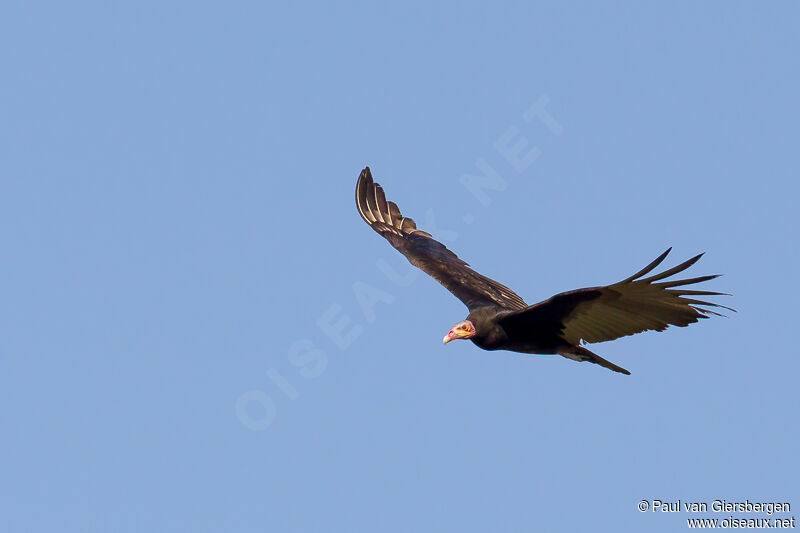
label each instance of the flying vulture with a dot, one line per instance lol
(500, 320)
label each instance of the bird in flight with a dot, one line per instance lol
(500, 320)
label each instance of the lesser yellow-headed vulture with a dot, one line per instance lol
(500, 320)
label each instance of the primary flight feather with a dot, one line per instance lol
(500, 320)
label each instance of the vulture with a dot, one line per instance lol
(499, 319)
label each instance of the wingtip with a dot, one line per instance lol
(362, 184)
(657, 261)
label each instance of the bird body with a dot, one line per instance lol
(491, 334)
(499, 319)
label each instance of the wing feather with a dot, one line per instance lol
(380, 205)
(674, 270)
(657, 261)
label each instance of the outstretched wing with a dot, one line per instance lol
(631, 306)
(428, 254)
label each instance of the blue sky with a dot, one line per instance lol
(185, 343)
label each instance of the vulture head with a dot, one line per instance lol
(463, 330)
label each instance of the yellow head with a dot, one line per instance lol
(463, 330)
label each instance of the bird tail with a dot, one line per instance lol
(579, 353)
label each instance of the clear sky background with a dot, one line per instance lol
(182, 344)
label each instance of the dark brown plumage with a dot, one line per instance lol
(500, 320)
